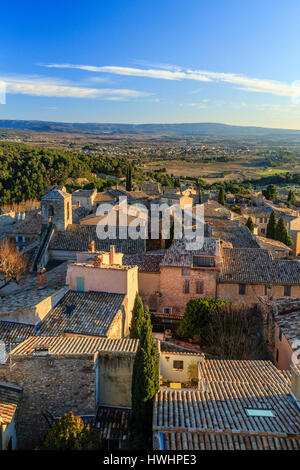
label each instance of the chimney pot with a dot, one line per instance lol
(112, 254)
(41, 277)
(91, 246)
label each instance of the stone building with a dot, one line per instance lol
(57, 208)
(84, 198)
(67, 373)
(10, 396)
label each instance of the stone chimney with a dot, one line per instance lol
(295, 382)
(91, 246)
(112, 254)
(42, 277)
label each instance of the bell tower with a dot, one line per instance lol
(57, 208)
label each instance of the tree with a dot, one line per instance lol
(12, 263)
(70, 433)
(198, 316)
(145, 384)
(271, 192)
(281, 233)
(291, 198)
(221, 196)
(129, 178)
(271, 227)
(250, 224)
(138, 318)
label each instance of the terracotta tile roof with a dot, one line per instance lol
(287, 317)
(77, 238)
(239, 237)
(9, 399)
(178, 255)
(113, 423)
(26, 298)
(228, 441)
(86, 313)
(69, 345)
(228, 388)
(145, 262)
(257, 266)
(269, 244)
(13, 333)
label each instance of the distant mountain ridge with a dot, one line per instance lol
(184, 129)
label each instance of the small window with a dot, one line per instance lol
(186, 286)
(287, 291)
(263, 231)
(242, 289)
(260, 413)
(280, 335)
(167, 310)
(277, 355)
(178, 365)
(199, 287)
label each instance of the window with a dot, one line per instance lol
(242, 289)
(199, 287)
(185, 272)
(178, 365)
(287, 291)
(201, 261)
(260, 413)
(263, 230)
(167, 310)
(50, 211)
(186, 286)
(280, 335)
(80, 284)
(277, 355)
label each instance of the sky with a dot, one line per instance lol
(149, 61)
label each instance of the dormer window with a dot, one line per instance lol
(203, 261)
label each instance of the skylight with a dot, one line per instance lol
(260, 413)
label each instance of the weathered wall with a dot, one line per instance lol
(285, 351)
(149, 283)
(171, 287)
(114, 374)
(51, 384)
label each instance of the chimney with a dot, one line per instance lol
(112, 254)
(78, 203)
(91, 246)
(98, 261)
(295, 382)
(41, 277)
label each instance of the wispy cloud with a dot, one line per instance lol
(241, 82)
(42, 86)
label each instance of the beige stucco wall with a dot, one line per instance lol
(148, 286)
(97, 278)
(230, 292)
(6, 432)
(167, 370)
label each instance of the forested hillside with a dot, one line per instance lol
(25, 171)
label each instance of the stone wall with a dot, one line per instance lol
(114, 374)
(171, 287)
(230, 292)
(51, 384)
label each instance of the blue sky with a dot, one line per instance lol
(235, 62)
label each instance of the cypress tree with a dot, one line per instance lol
(129, 178)
(250, 224)
(271, 227)
(145, 384)
(291, 198)
(200, 196)
(281, 233)
(138, 318)
(221, 196)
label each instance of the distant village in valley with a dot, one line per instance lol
(143, 343)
